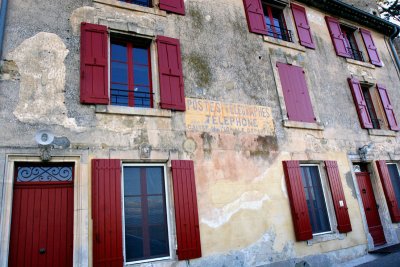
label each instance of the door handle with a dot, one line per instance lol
(42, 250)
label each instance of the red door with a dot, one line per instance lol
(42, 216)
(371, 208)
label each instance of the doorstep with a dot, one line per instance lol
(387, 248)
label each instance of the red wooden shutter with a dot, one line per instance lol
(371, 48)
(174, 6)
(360, 104)
(186, 216)
(302, 26)
(387, 105)
(297, 199)
(295, 92)
(94, 64)
(388, 190)
(255, 16)
(170, 72)
(337, 37)
(107, 213)
(341, 211)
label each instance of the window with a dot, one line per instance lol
(276, 26)
(130, 82)
(389, 176)
(138, 2)
(351, 43)
(373, 106)
(295, 92)
(131, 73)
(267, 18)
(395, 178)
(345, 43)
(130, 212)
(370, 106)
(146, 227)
(173, 6)
(308, 202)
(315, 199)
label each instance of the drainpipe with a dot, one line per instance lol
(396, 31)
(3, 13)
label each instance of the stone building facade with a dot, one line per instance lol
(151, 135)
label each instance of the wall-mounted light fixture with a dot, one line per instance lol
(364, 150)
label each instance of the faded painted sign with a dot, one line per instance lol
(214, 116)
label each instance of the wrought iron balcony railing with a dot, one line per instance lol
(355, 54)
(279, 33)
(121, 97)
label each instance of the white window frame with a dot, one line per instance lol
(323, 185)
(167, 208)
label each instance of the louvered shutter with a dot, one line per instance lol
(387, 105)
(359, 102)
(172, 94)
(388, 190)
(255, 16)
(339, 201)
(302, 26)
(371, 48)
(174, 6)
(337, 37)
(107, 213)
(94, 64)
(186, 214)
(295, 92)
(297, 199)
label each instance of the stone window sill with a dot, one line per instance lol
(378, 132)
(325, 237)
(282, 43)
(147, 112)
(303, 125)
(133, 7)
(360, 63)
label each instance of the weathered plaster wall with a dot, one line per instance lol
(244, 210)
(367, 5)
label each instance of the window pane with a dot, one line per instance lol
(155, 180)
(140, 56)
(118, 52)
(133, 211)
(315, 199)
(156, 209)
(138, 2)
(395, 178)
(158, 241)
(142, 96)
(119, 94)
(119, 72)
(131, 181)
(133, 243)
(141, 75)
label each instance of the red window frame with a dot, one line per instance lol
(268, 10)
(130, 45)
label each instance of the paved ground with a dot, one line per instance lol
(390, 260)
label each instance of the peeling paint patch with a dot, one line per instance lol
(252, 200)
(40, 61)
